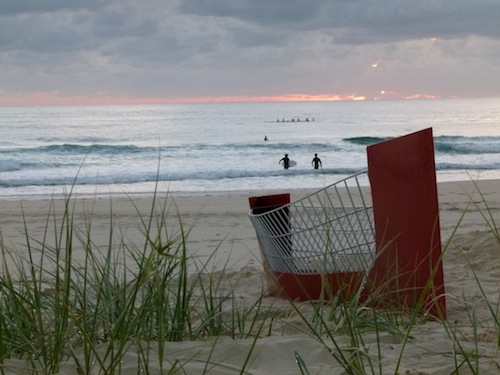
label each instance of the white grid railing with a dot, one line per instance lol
(329, 231)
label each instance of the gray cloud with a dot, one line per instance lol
(253, 47)
(393, 19)
(47, 6)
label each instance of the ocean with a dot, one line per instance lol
(220, 147)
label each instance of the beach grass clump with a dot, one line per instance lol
(54, 306)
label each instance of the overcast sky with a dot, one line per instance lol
(123, 51)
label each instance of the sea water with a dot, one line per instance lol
(217, 148)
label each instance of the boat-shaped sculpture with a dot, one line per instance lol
(374, 236)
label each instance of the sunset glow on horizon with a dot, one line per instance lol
(53, 99)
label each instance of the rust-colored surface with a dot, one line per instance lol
(408, 269)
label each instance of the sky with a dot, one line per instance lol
(60, 52)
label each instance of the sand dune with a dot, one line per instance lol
(220, 223)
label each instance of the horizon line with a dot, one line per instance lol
(55, 99)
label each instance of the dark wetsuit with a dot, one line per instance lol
(317, 162)
(286, 162)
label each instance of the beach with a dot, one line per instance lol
(219, 224)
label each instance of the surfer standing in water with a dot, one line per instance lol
(286, 161)
(316, 162)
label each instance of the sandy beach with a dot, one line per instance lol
(220, 224)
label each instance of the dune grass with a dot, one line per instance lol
(121, 296)
(127, 297)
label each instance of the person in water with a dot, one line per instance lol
(316, 162)
(286, 161)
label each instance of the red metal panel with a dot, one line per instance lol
(266, 203)
(408, 268)
(296, 287)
